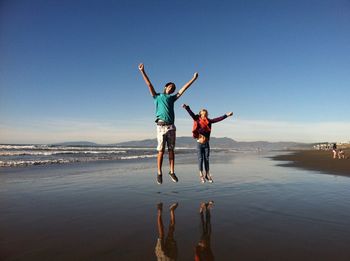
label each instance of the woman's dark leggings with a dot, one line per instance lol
(203, 151)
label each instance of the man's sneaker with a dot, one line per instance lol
(159, 179)
(173, 177)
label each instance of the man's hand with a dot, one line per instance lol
(229, 114)
(147, 81)
(195, 75)
(184, 106)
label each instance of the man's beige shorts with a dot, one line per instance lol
(166, 135)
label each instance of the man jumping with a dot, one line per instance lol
(165, 118)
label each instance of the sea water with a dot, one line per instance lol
(42, 154)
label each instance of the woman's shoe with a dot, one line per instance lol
(209, 178)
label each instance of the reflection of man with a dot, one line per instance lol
(166, 248)
(203, 249)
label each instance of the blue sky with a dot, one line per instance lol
(68, 69)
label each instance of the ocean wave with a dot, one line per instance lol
(138, 157)
(21, 147)
(50, 153)
(75, 148)
(31, 162)
(18, 163)
(33, 154)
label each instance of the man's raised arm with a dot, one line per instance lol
(187, 85)
(148, 82)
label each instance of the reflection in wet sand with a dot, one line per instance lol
(203, 250)
(166, 248)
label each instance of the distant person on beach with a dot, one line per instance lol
(341, 154)
(334, 151)
(166, 247)
(203, 250)
(165, 118)
(201, 131)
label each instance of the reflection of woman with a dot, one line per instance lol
(203, 249)
(166, 249)
(201, 131)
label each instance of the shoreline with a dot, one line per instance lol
(317, 160)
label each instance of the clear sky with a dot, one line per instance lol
(69, 69)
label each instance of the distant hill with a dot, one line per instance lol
(76, 143)
(189, 142)
(226, 143)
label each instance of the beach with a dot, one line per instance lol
(317, 160)
(108, 210)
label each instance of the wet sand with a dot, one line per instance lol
(317, 160)
(110, 211)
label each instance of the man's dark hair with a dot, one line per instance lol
(170, 83)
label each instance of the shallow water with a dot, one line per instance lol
(108, 211)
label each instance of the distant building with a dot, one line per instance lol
(329, 145)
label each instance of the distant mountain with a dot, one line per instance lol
(189, 142)
(225, 143)
(76, 143)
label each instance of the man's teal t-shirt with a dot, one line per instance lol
(165, 107)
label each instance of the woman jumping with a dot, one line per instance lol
(201, 132)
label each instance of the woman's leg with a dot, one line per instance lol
(206, 151)
(200, 153)
(200, 157)
(206, 162)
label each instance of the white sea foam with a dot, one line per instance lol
(49, 153)
(19, 147)
(32, 154)
(138, 157)
(17, 163)
(78, 148)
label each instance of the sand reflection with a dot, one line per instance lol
(203, 250)
(166, 248)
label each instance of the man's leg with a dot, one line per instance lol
(160, 148)
(172, 166)
(160, 161)
(172, 161)
(171, 137)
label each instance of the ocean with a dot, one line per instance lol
(33, 154)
